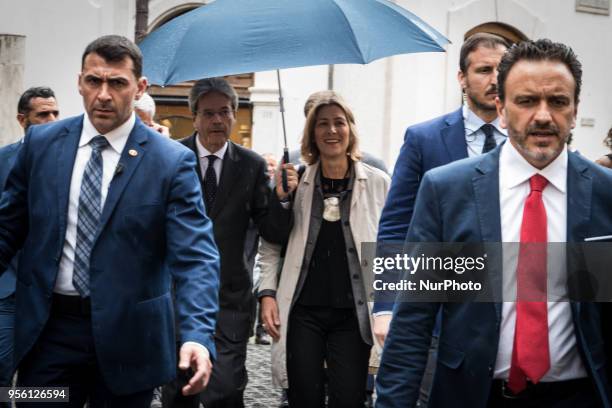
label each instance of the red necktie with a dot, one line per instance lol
(531, 354)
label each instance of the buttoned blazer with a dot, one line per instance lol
(459, 202)
(152, 230)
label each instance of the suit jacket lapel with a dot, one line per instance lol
(579, 192)
(303, 200)
(359, 184)
(453, 136)
(229, 177)
(135, 143)
(191, 143)
(486, 195)
(67, 146)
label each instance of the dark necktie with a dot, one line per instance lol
(530, 352)
(90, 208)
(489, 131)
(210, 183)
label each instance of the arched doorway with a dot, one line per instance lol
(172, 101)
(506, 31)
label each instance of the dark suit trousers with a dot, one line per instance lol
(7, 326)
(227, 382)
(229, 375)
(172, 396)
(319, 335)
(64, 356)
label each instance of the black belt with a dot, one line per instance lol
(541, 389)
(74, 305)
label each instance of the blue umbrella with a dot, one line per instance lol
(238, 36)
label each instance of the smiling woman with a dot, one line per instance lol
(322, 315)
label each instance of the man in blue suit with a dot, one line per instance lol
(106, 213)
(7, 286)
(529, 187)
(439, 141)
(37, 105)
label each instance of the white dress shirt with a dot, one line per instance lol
(117, 139)
(514, 175)
(217, 165)
(474, 136)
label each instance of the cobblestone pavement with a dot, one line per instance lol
(259, 392)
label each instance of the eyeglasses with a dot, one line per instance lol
(210, 114)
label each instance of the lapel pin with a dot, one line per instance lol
(133, 153)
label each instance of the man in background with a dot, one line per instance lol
(145, 109)
(236, 192)
(36, 106)
(469, 131)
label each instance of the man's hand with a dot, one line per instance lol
(292, 180)
(161, 129)
(197, 357)
(381, 327)
(269, 315)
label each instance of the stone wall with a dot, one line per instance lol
(12, 57)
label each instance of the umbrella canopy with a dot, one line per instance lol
(239, 36)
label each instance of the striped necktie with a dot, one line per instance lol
(90, 208)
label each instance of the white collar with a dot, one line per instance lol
(472, 122)
(517, 170)
(203, 152)
(117, 138)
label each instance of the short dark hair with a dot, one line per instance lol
(24, 106)
(486, 40)
(115, 48)
(608, 139)
(540, 50)
(206, 85)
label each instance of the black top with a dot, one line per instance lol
(328, 280)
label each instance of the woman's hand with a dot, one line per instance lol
(292, 180)
(381, 327)
(269, 315)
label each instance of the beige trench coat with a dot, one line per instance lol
(368, 197)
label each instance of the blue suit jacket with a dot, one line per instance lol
(426, 145)
(152, 228)
(8, 154)
(460, 203)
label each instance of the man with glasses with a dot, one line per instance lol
(235, 188)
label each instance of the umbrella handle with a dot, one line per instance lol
(284, 172)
